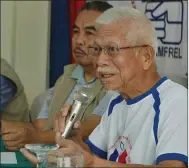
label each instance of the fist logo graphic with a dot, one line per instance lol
(167, 18)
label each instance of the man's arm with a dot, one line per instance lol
(17, 134)
(48, 136)
(98, 162)
(89, 125)
(44, 136)
(93, 121)
(93, 160)
(39, 123)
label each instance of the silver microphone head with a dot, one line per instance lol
(84, 95)
(82, 98)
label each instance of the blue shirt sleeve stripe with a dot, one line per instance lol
(95, 149)
(172, 156)
(157, 110)
(117, 100)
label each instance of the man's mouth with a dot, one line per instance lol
(79, 52)
(106, 75)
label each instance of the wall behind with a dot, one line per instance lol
(7, 11)
(25, 42)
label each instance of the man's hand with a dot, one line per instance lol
(85, 128)
(67, 147)
(59, 121)
(17, 134)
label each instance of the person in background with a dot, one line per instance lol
(13, 101)
(146, 125)
(75, 76)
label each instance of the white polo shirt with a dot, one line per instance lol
(145, 130)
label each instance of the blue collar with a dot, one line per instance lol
(78, 74)
(137, 99)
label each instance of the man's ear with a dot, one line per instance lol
(148, 55)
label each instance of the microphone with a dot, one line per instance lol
(82, 98)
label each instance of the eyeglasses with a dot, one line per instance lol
(95, 50)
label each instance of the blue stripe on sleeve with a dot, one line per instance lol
(157, 110)
(117, 100)
(172, 156)
(95, 149)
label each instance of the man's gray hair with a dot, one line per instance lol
(138, 27)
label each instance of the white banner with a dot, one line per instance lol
(170, 22)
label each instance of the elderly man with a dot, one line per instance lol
(147, 124)
(16, 135)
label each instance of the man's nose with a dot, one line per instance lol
(103, 59)
(80, 40)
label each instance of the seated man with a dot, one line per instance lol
(146, 125)
(13, 104)
(75, 76)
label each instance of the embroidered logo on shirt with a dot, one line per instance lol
(119, 151)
